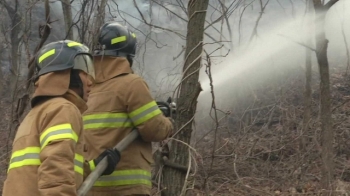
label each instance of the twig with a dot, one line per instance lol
(235, 170)
(183, 192)
(306, 46)
(254, 33)
(183, 126)
(254, 189)
(152, 25)
(215, 118)
(177, 166)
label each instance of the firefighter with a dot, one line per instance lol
(119, 101)
(47, 149)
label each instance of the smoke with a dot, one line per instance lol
(160, 53)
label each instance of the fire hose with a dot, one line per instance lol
(94, 175)
(102, 165)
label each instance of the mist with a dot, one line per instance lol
(275, 55)
(269, 55)
(268, 135)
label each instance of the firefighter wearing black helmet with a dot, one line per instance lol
(47, 152)
(116, 40)
(119, 101)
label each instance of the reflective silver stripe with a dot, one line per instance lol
(25, 156)
(78, 163)
(58, 132)
(144, 113)
(125, 177)
(128, 177)
(107, 120)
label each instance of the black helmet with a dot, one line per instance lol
(62, 55)
(116, 40)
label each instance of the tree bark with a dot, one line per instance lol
(68, 21)
(84, 24)
(308, 77)
(98, 22)
(1, 81)
(346, 44)
(327, 135)
(174, 180)
(14, 11)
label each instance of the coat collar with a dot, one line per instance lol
(51, 85)
(76, 100)
(107, 67)
(56, 84)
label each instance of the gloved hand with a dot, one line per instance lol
(173, 109)
(113, 157)
(164, 107)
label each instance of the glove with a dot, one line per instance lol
(164, 107)
(173, 109)
(113, 157)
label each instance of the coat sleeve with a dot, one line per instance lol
(143, 111)
(58, 137)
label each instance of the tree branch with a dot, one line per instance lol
(330, 4)
(177, 166)
(306, 46)
(152, 25)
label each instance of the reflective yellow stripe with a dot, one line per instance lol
(30, 156)
(92, 165)
(144, 113)
(27, 156)
(62, 131)
(133, 35)
(71, 44)
(79, 164)
(125, 177)
(46, 54)
(106, 120)
(118, 39)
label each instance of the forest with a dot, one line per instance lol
(262, 87)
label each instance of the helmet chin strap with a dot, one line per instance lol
(130, 59)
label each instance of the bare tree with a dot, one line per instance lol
(262, 9)
(68, 22)
(23, 101)
(1, 80)
(327, 135)
(308, 77)
(345, 42)
(15, 36)
(99, 20)
(84, 24)
(174, 179)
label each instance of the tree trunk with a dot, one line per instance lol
(1, 81)
(85, 21)
(13, 12)
(14, 53)
(308, 77)
(16, 26)
(346, 44)
(98, 22)
(68, 21)
(327, 135)
(174, 179)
